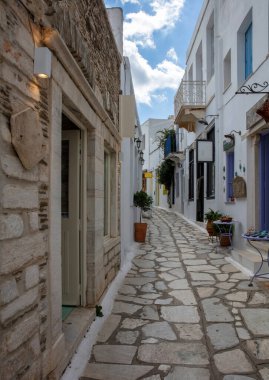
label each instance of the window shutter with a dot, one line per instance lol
(230, 174)
(248, 51)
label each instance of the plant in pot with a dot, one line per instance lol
(143, 201)
(226, 234)
(210, 217)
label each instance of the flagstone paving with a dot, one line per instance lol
(183, 313)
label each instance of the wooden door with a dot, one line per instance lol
(71, 217)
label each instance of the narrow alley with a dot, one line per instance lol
(183, 313)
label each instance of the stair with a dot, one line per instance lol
(250, 260)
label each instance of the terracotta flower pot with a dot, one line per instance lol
(224, 241)
(210, 228)
(140, 232)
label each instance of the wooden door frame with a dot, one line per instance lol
(83, 203)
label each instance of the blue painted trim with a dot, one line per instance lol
(248, 51)
(264, 181)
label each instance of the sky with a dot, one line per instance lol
(156, 37)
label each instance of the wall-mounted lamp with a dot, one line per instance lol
(229, 136)
(141, 154)
(42, 62)
(239, 132)
(142, 160)
(204, 121)
(138, 142)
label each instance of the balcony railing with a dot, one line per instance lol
(190, 94)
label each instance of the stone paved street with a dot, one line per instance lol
(183, 313)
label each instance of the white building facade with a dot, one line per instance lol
(229, 49)
(130, 129)
(153, 156)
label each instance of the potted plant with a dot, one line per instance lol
(144, 202)
(210, 217)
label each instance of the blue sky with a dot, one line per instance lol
(156, 37)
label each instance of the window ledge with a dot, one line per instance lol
(229, 203)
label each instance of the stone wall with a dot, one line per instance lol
(25, 328)
(85, 28)
(23, 207)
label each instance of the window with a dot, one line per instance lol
(229, 176)
(227, 70)
(111, 227)
(210, 47)
(210, 169)
(107, 192)
(191, 174)
(245, 49)
(199, 63)
(248, 51)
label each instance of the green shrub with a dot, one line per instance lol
(143, 201)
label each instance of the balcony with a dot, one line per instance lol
(189, 103)
(171, 148)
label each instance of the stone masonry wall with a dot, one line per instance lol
(85, 28)
(24, 194)
(23, 206)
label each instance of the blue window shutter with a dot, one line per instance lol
(230, 174)
(248, 51)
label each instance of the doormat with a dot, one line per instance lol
(66, 310)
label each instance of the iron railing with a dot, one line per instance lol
(190, 93)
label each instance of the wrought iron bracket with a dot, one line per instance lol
(255, 88)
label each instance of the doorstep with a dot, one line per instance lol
(75, 327)
(249, 260)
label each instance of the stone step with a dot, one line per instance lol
(250, 260)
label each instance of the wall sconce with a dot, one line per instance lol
(239, 132)
(204, 121)
(142, 160)
(42, 62)
(138, 142)
(141, 154)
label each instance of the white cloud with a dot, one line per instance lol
(140, 26)
(150, 81)
(130, 1)
(172, 54)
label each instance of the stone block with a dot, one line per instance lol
(31, 276)
(35, 344)
(22, 331)
(5, 131)
(18, 306)
(15, 363)
(33, 221)
(11, 226)
(16, 253)
(21, 197)
(8, 291)
(13, 168)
